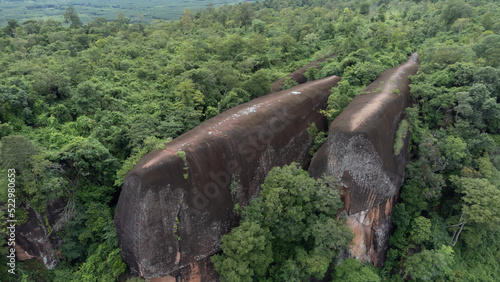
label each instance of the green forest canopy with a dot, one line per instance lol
(137, 11)
(84, 101)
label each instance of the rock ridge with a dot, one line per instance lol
(176, 203)
(359, 154)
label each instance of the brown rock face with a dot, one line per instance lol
(172, 212)
(359, 153)
(33, 239)
(298, 75)
(372, 229)
(199, 271)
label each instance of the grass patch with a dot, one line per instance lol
(400, 136)
(182, 155)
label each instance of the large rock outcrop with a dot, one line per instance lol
(359, 153)
(36, 239)
(177, 203)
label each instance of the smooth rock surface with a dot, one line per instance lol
(359, 153)
(173, 212)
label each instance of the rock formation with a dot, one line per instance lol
(33, 239)
(359, 153)
(298, 75)
(177, 203)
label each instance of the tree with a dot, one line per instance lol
(448, 55)
(51, 85)
(460, 24)
(104, 264)
(11, 27)
(484, 106)
(5, 129)
(288, 83)
(149, 144)
(463, 73)
(12, 99)
(364, 8)
(88, 161)
(362, 73)
(352, 270)
(208, 80)
(37, 178)
(71, 17)
(61, 113)
(339, 98)
(304, 235)
(86, 99)
(430, 265)
(232, 48)
(16, 153)
(189, 95)
(311, 40)
(480, 200)
(489, 49)
(187, 21)
(258, 84)
(454, 149)
(312, 73)
(488, 170)
(258, 26)
(420, 230)
(235, 97)
(257, 44)
(287, 43)
(455, 9)
(122, 21)
(464, 106)
(247, 253)
(245, 14)
(488, 20)
(489, 77)
(90, 238)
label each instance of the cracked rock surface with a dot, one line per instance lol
(359, 153)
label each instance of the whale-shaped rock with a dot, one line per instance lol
(359, 153)
(177, 203)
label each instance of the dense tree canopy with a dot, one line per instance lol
(289, 233)
(80, 104)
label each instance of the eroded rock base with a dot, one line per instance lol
(199, 271)
(360, 154)
(372, 229)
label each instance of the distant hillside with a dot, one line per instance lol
(137, 11)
